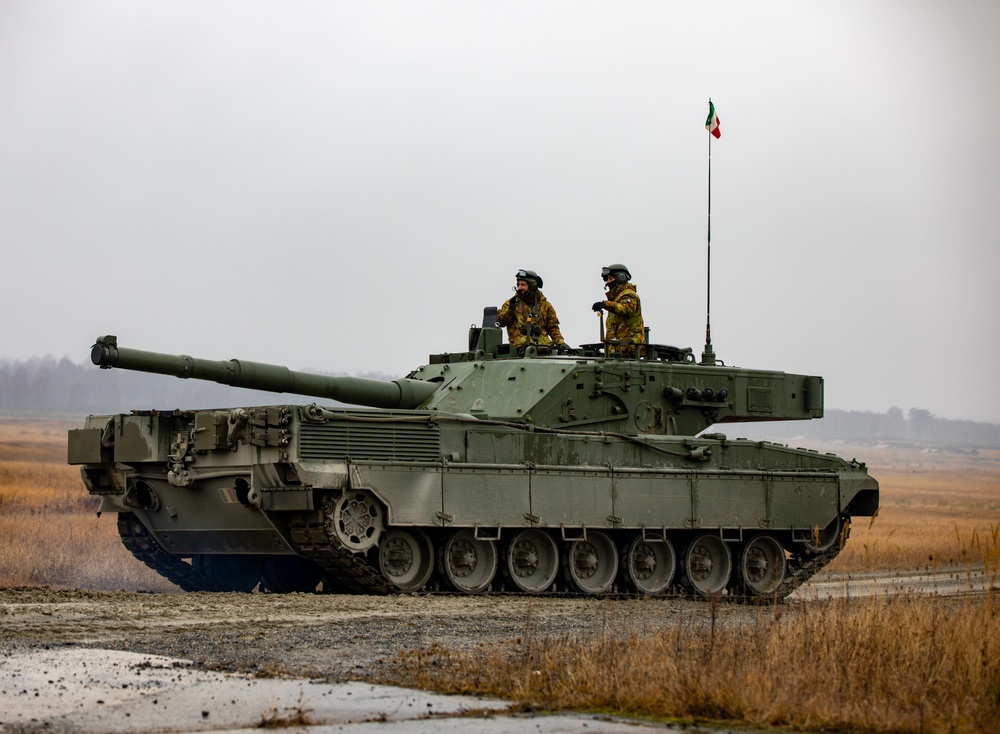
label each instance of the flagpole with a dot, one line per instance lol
(708, 356)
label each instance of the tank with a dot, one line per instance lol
(484, 470)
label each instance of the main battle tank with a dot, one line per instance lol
(482, 470)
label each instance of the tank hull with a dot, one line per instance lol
(373, 501)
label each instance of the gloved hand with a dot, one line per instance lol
(598, 305)
(563, 348)
(536, 330)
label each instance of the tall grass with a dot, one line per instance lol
(881, 665)
(922, 512)
(49, 530)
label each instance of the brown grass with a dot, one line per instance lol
(50, 534)
(880, 665)
(930, 500)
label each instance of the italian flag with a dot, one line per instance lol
(712, 123)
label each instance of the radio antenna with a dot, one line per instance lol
(712, 125)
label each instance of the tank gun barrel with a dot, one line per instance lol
(401, 394)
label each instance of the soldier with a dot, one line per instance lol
(529, 317)
(624, 321)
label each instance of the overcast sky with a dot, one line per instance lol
(343, 186)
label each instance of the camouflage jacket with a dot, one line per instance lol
(519, 317)
(624, 319)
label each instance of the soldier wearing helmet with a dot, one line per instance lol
(529, 317)
(624, 320)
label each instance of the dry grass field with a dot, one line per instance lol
(937, 508)
(879, 664)
(898, 664)
(49, 530)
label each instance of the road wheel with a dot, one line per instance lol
(761, 567)
(532, 560)
(706, 565)
(591, 563)
(649, 565)
(468, 563)
(406, 558)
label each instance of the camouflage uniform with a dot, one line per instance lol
(522, 316)
(624, 319)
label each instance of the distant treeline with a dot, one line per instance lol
(50, 387)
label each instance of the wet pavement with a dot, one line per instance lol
(92, 690)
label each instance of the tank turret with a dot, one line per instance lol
(662, 392)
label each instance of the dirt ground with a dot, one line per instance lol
(328, 637)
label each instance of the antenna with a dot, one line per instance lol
(712, 125)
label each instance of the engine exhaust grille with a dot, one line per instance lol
(357, 440)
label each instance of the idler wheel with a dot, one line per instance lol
(355, 520)
(468, 563)
(649, 565)
(822, 540)
(707, 565)
(406, 558)
(591, 563)
(532, 560)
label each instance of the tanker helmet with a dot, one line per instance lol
(533, 279)
(621, 273)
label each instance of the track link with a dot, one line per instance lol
(800, 569)
(145, 547)
(348, 569)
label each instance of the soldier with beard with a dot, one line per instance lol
(624, 320)
(529, 317)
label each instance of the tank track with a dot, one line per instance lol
(348, 570)
(352, 574)
(144, 546)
